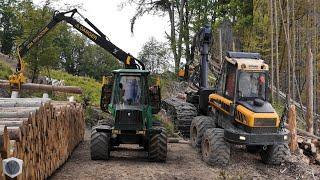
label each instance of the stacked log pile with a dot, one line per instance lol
(41, 132)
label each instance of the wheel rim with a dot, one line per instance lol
(194, 134)
(205, 148)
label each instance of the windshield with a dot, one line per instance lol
(252, 85)
(130, 90)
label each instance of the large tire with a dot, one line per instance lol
(100, 145)
(275, 154)
(158, 146)
(198, 127)
(215, 150)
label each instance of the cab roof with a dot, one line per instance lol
(247, 61)
(135, 71)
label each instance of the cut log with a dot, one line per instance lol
(4, 141)
(17, 114)
(46, 88)
(292, 120)
(22, 104)
(13, 123)
(14, 133)
(14, 119)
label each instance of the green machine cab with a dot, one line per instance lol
(131, 102)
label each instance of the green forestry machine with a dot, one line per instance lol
(126, 96)
(236, 110)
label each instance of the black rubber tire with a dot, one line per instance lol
(198, 127)
(100, 145)
(158, 146)
(253, 148)
(275, 154)
(215, 150)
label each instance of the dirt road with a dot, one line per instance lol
(183, 163)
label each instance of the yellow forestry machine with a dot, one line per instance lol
(236, 110)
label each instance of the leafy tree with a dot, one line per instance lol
(46, 53)
(155, 55)
(9, 25)
(96, 62)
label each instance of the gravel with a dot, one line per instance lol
(183, 162)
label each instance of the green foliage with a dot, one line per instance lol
(9, 25)
(88, 114)
(47, 52)
(61, 48)
(91, 87)
(279, 107)
(97, 62)
(5, 70)
(155, 55)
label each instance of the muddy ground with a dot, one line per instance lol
(183, 163)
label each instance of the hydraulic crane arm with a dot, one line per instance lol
(98, 37)
(201, 41)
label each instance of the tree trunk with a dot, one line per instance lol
(293, 50)
(173, 43)
(271, 35)
(292, 121)
(181, 27)
(289, 53)
(277, 51)
(309, 78)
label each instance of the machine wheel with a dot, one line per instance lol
(275, 154)
(198, 127)
(253, 148)
(100, 145)
(215, 150)
(158, 146)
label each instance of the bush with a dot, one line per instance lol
(5, 70)
(166, 123)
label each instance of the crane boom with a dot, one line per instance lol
(201, 41)
(98, 37)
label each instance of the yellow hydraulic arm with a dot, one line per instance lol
(96, 36)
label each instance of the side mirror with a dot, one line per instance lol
(155, 99)
(106, 93)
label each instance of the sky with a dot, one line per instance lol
(115, 23)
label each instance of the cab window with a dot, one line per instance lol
(230, 81)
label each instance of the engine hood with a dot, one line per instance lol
(266, 107)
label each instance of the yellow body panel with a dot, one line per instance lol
(217, 98)
(220, 98)
(249, 115)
